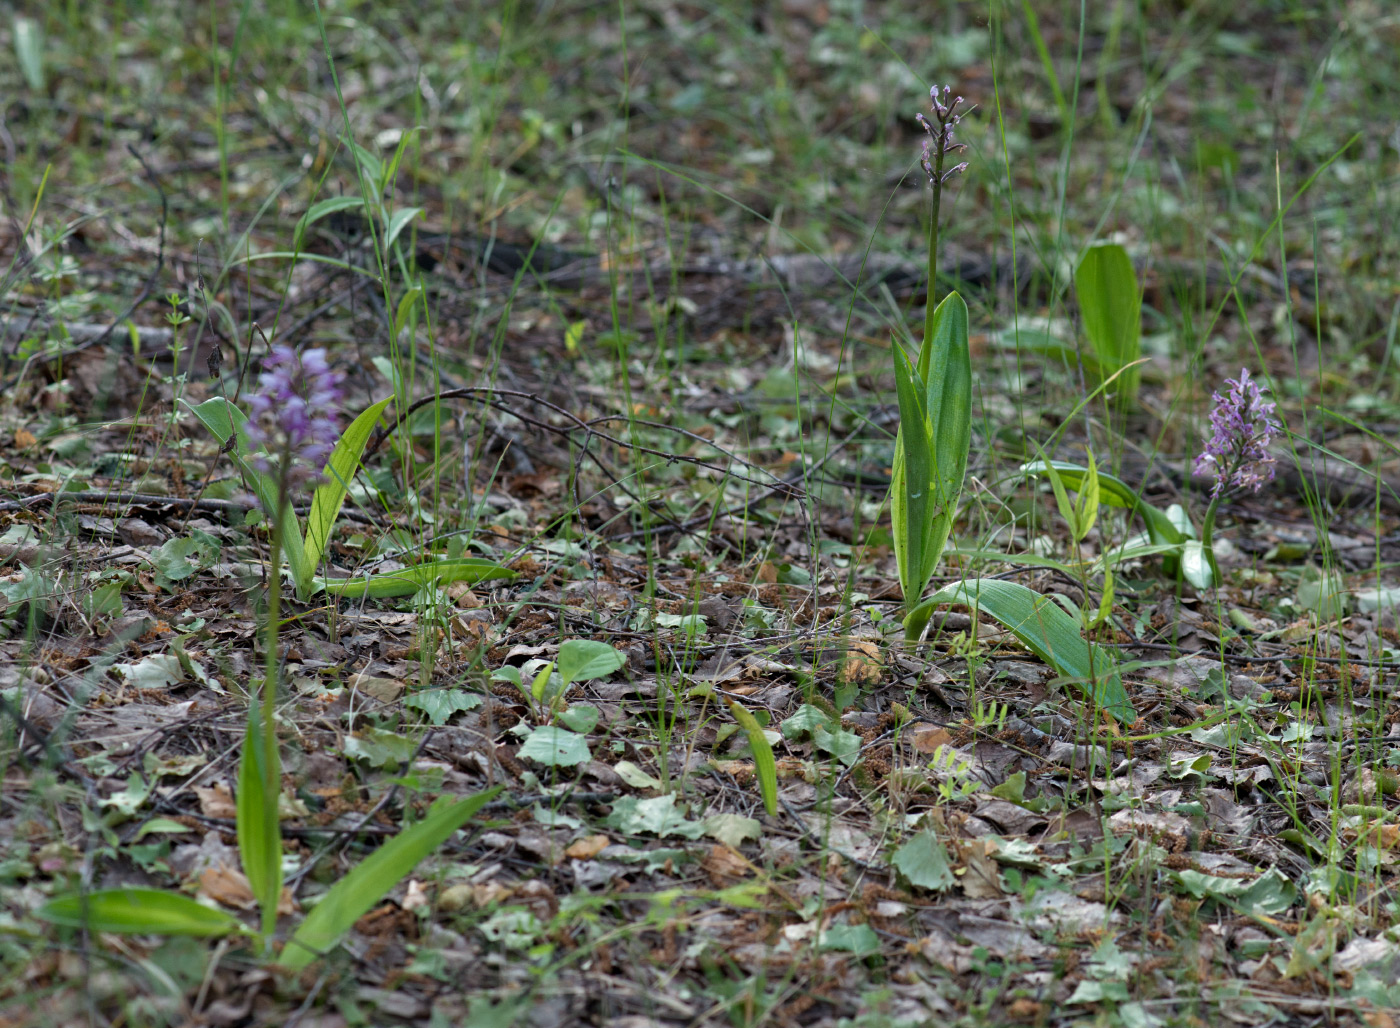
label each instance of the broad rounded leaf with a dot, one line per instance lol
(555, 747)
(582, 659)
(924, 862)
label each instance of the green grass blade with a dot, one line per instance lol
(1044, 627)
(138, 912)
(353, 896)
(259, 832)
(407, 581)
(1110, 304)
(765, 768)
(340, 469)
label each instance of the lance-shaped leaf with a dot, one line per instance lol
(139, 912)
(340, 469)
(1110, 304)
(764, 766)
(930, 457)
(1194, 563)
(1048, 631)
(259, 831)
(407, 581)
(352, 897)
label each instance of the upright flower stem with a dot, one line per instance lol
(933, 247)
(935, 151)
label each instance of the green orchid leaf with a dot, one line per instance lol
(259, 831)
(355, 894)
(224, 422)
(407, 581)
(340, 469)
(582, 659)
(1110, 304)
(139, 912)
(322, 209)
(930, 458)
(764, 766)
(1045, 628)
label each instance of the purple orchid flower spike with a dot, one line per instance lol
(1243, 423)
(292, 415)
(940, 135)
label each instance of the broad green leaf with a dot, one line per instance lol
(553, 746)
(259, 833)
(354, 895)
(930, 458)
(859, 939)
(924, 862)
(581, 717)
(808, 718)
(1270, 893)
(1197, 565)
(658, 815)
(398, 221)
(1110, 304)
(380, 747)
(29, 51)
(340, 469)
(407, 581)
(733, 829)
(1044, 627)
(319, 210)
(441, 704)
(582, 659)
(764, 766)
(844, 746)
(139, 912)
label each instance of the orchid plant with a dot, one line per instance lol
(930, 463)
(292, 422)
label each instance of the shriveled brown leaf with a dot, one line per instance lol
(587, 848)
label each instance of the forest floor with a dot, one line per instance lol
(632, 274)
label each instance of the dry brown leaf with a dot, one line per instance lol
(231, 888)
(862, 671)
(724, 864)
(216, 801)
(228, 887)
(385, 690)
(587, 849)
(980, 876)
(926, 738)
(767, 574)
